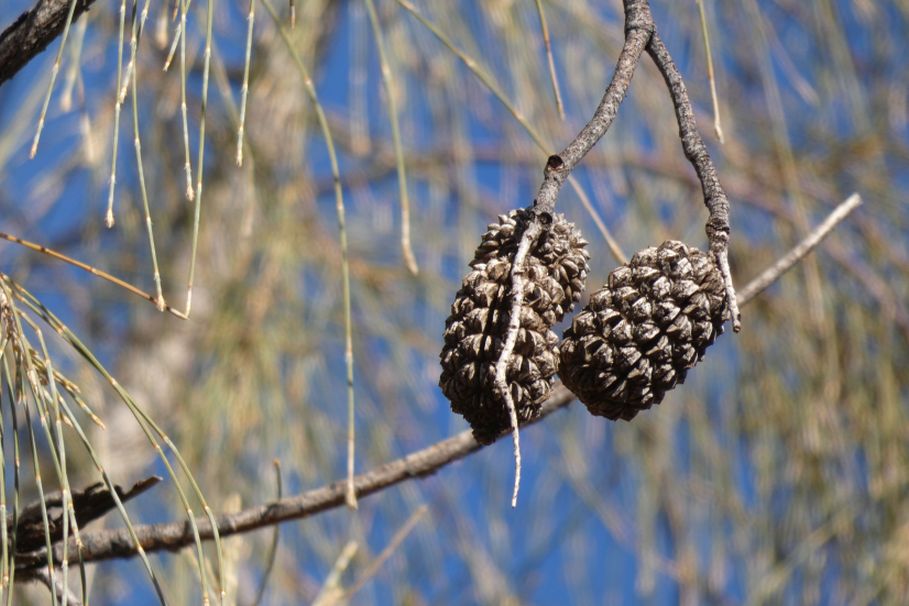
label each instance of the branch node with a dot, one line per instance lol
(554, 163)
(638, 16)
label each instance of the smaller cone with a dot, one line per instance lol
(641, 333)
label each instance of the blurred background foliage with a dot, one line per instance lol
(778, 473)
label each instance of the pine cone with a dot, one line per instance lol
(555, 271)
(642, 331)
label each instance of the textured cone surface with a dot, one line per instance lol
(475, 332)
(642, 331)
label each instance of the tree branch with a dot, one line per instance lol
(32, 32)
(109, 544)
(87, 504)
(173, 536)
(785, 263)
(696, 152)
(639, 27)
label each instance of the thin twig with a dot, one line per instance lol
(638, 30)
(388, 80)
(398, 538)
(187, 161)
(518, 286)
(53, 78)
(133, 44)
(275, 537)
(200, 162)
(178, 34)
(5, 312)
(244, 90)
(138, 26)
(90, 269)
(73, 71)
(553, 75)
(785, 263)
(714, 197)
(331, 592)
(358, 115)
(711, 77)
(341, 213)
(36, 468)
(118, 104)
(6, 306)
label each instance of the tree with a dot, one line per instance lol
(774, 472)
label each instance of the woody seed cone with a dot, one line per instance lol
(475, 332)
(641, 333)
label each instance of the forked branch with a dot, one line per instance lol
(638, 29)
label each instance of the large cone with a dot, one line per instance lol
(645, 328)
(556, 267)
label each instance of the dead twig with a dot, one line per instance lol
(173, 536)
(787, 261)
(92, 270)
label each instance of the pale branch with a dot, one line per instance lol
(32, 32)
(518, 285)
(397, 539)
(172, 536)
(787, 261)
(696, 152)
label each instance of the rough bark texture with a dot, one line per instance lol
(696, 152)
(638, 30)
(87, 504)
(32, 32)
